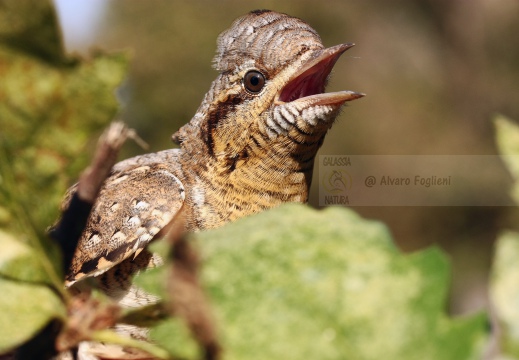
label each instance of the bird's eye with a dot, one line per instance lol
(254, 81)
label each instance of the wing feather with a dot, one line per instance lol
(131, 209)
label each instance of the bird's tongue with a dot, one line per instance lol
(312, 77)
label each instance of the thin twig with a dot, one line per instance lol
(187, 296)
(108, 147)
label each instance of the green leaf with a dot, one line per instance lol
(295, 283)
(507, 135)
(504, 290)
(50, 107)
(19, 261)
(507, 138)
(504, 284)
(112, 337)
(24, 310)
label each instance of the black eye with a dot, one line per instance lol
(254, 81)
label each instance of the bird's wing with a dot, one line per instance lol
(131, 209)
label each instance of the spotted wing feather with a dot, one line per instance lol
(132, 207)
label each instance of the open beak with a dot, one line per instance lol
(309, 82)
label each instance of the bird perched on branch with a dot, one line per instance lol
(250, 147)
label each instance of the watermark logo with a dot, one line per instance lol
(336, 180)
(410, 180)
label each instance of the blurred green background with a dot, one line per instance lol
(435, 72)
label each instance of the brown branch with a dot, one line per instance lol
(188, 300)
(108, 147)
(85, 315)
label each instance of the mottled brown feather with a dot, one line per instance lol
(132, 207)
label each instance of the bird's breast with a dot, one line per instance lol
(219, 197)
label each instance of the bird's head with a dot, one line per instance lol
(269, 94)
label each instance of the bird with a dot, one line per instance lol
(250, 146)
